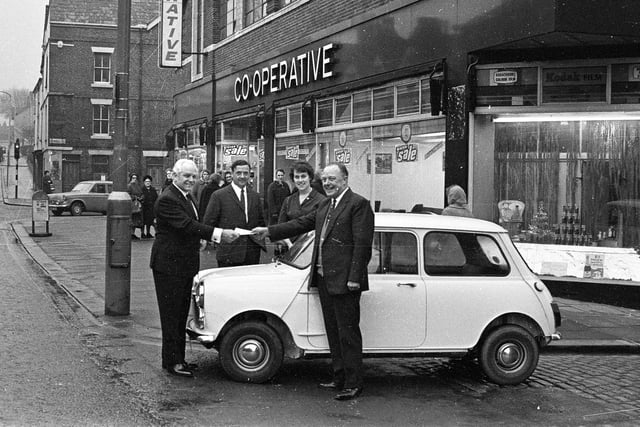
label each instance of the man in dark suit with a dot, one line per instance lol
(231, 207)
(277, 191)
(343, 225)
(175, 259)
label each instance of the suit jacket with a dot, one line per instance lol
(347, 246)
(176, 248)
(225, 211)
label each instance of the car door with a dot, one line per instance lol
(393, 311)
(92, 198)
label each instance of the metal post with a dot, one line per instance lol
(118, 244)
(17, 161)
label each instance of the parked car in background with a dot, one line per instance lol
(439, 286)
(86, 196)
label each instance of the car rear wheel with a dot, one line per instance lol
(77, 208)
(57, 212)
(509, 355)
(251, 352)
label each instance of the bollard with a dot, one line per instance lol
(118, 255)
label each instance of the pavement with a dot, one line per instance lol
(74, 257)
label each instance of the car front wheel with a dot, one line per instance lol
(251, 352)
(509, 355)
(76, 209)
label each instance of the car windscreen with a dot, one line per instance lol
(299, 255)
(82, 187)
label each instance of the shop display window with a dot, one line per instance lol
(625, 84)
(571, 85)
(569, 182)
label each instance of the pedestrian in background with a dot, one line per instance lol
(135, 192)
(457, 202)
(316, 183)
(149, 197)
(343, 224)
(175, 259)
(236, 206)
(277, 191)
(168, 178)
(47, 183)
(200, 185)
(216, 182)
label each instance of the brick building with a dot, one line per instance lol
(74, 98)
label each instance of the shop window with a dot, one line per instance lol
(577, 181)
(101, 67)
(100, 167)
(463, 254)
(281, 120)
(343, 110)
(383, 105)
(506, 87)
(625, 84)
(362, 106)
(408, 98)
(325, 113)
(101, 119)
(295, 118)
(570, 85)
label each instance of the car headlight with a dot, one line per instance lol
(198, 302)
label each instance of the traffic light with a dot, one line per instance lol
(16, 149)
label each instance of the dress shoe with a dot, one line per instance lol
(333, 385)
(180, 370)
(348, 393)
(190, 366)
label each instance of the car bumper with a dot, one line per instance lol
(53, 206)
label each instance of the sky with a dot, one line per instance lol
(21, 30)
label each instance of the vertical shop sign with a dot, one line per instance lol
(342, 155)
(406, 153)
(171, 34)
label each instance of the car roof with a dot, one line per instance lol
(440, 222)
(97, 182)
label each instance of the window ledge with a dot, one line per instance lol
(100, 136)
(102, 85)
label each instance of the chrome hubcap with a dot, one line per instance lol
(509, 356)
(251, 354)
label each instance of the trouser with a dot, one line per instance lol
(173, 293)
(341, 315)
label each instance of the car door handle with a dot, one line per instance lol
(411, 285)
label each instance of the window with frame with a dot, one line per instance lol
(254, 11)
(100, 167)
(394, 253)
(289, 119)
(463, 254)
(197, 38)
(101, 67)
(101, 119)
(228, 14)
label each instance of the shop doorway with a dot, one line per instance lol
(70, 171)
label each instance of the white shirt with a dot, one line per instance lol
(217, 232)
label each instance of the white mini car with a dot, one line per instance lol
(439, 286)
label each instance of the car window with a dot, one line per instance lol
(98, 188)
(82, 187)
(299, 255)
(394, 253)
(108, 188)
(463, 254)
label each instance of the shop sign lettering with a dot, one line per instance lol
(171, 34)
(406, 153)
(235, 150)
(298, 70)
(343, 155)
(293, 153)
(575, 76)
(504, 77)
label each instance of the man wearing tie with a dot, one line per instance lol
(231, 207)
(175, 259)
(343, 225)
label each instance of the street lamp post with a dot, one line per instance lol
(11, 131)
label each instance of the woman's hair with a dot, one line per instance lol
(455, 194)
(301, 167)
(147, 177)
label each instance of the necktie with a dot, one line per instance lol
(193, 205)
(244, 204)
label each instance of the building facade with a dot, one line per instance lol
(74, 98)
(531, 106)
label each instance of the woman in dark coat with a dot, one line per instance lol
(135, 192)
(149, 196)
